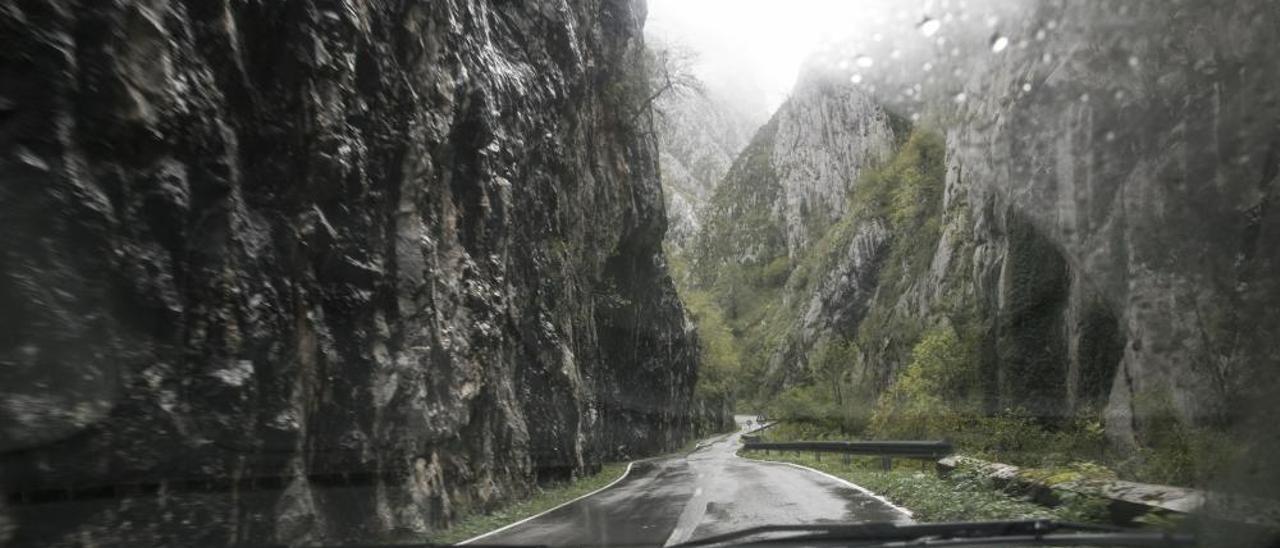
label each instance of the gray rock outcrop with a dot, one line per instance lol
(318, 271)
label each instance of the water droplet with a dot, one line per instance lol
(992, 21)
(1133, 62)
(955, 52)
(895, 54)
(1111, 136)
(929, 27)
(865, 61)
(959, 97)
(1041, 34)
(915, 116)
(927, 67)
(844, 64)
(1084, 98)
(999, 43)
(1026, 87)
(857, 78)
(877, 37)
(1120, 95)
(1052, 24)
(1046, 58)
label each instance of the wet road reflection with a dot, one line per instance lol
(710, 491)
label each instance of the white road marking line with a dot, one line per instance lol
(860, 488)
(548, 511)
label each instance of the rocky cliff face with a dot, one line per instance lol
(794, 177)
(828, 133)
(1104, 230)
(699, 136)
(765, 249)
(315, 271)
(1146, 167)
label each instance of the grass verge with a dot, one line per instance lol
(545, 499)
(962, 496)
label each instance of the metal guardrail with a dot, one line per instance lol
(887, 450)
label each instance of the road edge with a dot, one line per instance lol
(910, 515)
(624, 475)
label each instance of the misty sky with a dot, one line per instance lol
(764, 41)
(756, 47)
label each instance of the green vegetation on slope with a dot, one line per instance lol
(729, 298)
(926, 359)
(839, 385)
(905, 374)
(720, 361)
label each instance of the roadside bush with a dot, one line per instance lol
(720, 363)
(930, 398)
(805, 404)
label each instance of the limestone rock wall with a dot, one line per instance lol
(320, 270)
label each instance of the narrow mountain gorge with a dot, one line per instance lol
(351, 271)
(320, 271)
(699, 135)
(1062, 252)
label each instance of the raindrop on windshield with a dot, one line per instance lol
(927, 67)
(959, 97)
(1026, 87)
(865, 61)
(930, 26)
(857, 78)
(999, 43)
(1133, 62)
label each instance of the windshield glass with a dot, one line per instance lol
(639, 273)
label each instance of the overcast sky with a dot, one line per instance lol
(756, 47)
(766, 40)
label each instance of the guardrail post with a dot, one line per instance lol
(847, 459)
(817, 455)
(886, 463)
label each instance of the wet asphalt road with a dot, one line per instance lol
(670, 500)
